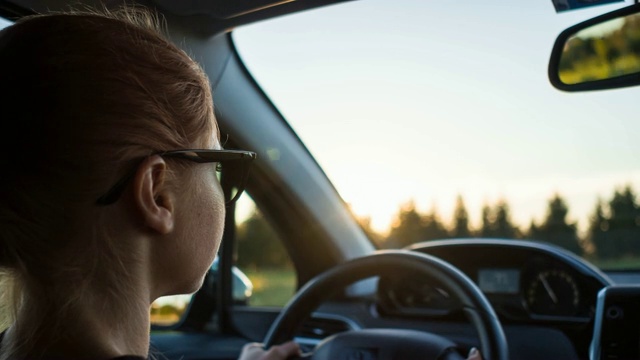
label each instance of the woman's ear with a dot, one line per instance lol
(152, 196)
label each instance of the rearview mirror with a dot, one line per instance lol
(601, 53)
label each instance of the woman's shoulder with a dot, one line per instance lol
(125, 357)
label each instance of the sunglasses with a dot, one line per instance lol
(232, 167)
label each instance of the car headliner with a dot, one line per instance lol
(213, 15)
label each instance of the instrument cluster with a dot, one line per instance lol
(524, 281)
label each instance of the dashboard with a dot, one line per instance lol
(526, 283)
(541, 293)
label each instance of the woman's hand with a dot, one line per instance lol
(255, 351)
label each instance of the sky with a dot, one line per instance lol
(424, 100)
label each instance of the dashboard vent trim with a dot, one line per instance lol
(319, 326)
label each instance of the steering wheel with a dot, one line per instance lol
(390, 344)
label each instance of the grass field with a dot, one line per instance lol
(272, 287)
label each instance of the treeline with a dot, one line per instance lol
(613, 231)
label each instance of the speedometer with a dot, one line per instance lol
(553, 292)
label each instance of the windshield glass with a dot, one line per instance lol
(436, 120)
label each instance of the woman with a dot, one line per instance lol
(97, 218)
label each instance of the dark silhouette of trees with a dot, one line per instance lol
(496, 222)
(411, 227)
(486, 229)
(555, 229)
(624, 223)
(613, 231)
(460, 220)
(258, 245)
(616, 234)
(433, 228)
(407, 228)
(533, 231)
(502, 225)
(598, 233)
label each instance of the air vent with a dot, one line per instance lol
(320, 326)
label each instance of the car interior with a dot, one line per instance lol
(346, 294)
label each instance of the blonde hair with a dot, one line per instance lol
(84, 97)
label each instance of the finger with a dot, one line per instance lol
(283, 351)
(252, 348)
(474, 354)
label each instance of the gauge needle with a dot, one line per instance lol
(544, 282)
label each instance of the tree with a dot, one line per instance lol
(407, 227)
(258, 245)
(496, 222)
(486, 229)
(624, 223)
(432, 228)
(411, 227)
(598, 233)
(534, 231)
(556, 230)
(460, 220)
(502, 226)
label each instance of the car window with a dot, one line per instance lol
(262, 257)
(263, 274)
(169, 310)
(437, 120)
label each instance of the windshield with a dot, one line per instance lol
(436, 120)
